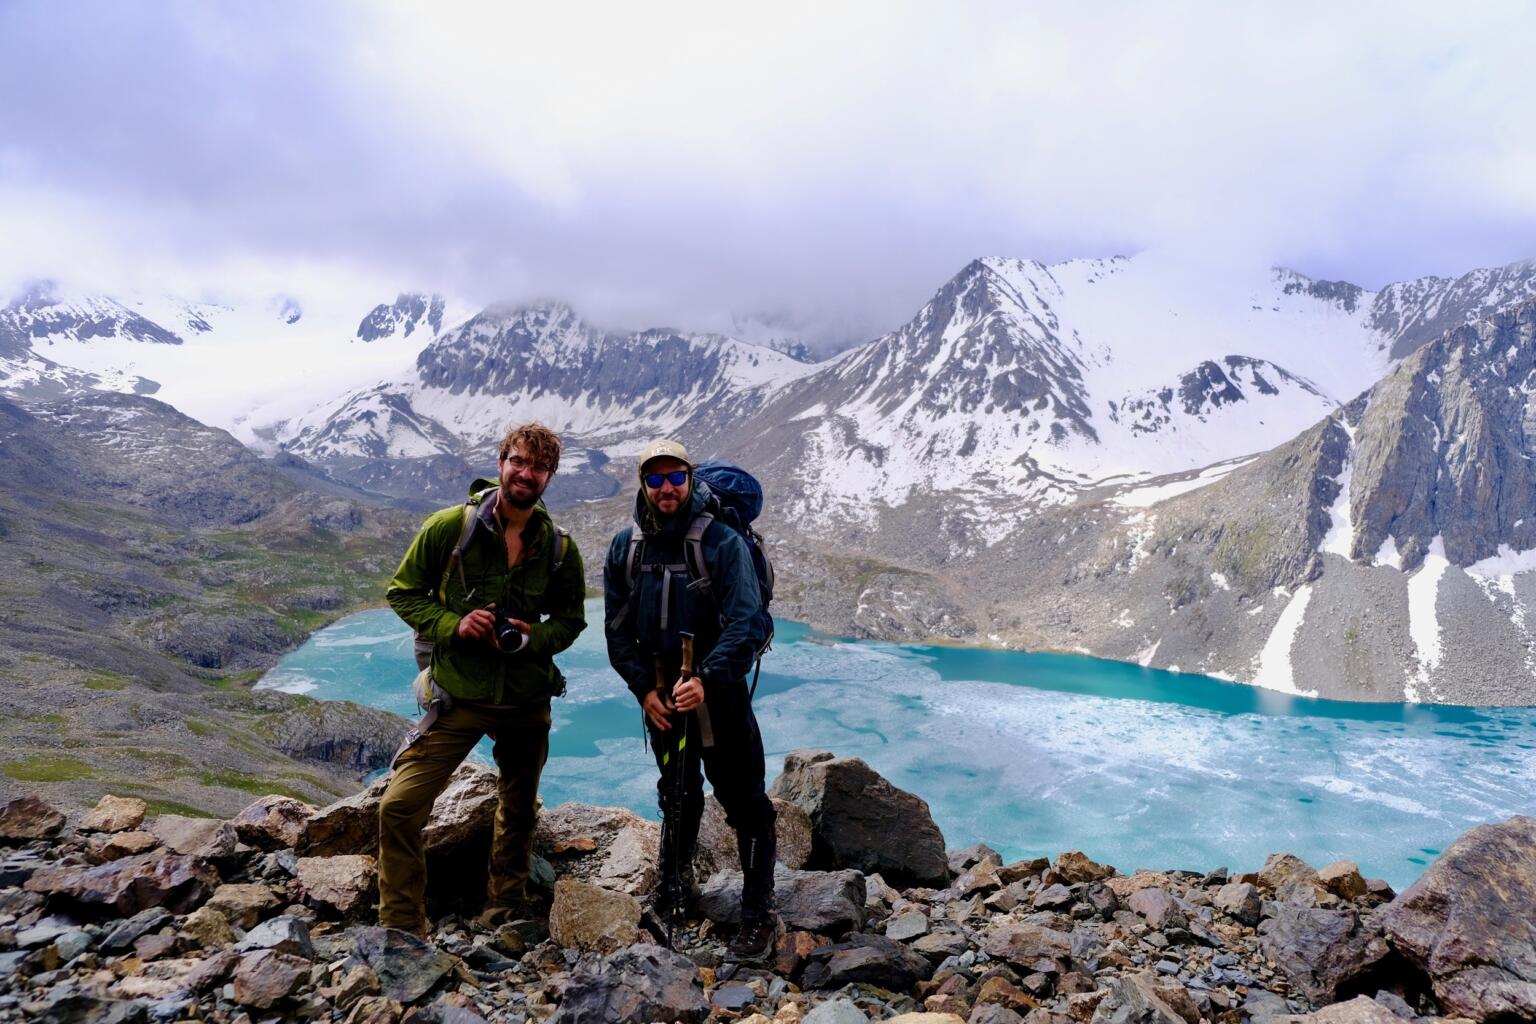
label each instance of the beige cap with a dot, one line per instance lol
(664, 449)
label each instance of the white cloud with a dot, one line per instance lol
(682, 162)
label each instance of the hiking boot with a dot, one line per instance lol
(754, 941)
(495, 916)
(684, 899)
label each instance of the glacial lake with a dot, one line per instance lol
(1039, 753)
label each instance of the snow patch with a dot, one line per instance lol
(1275, 672)
(1423, 620)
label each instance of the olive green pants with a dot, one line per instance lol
(521, 737)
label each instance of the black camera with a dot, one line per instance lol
(508, 635)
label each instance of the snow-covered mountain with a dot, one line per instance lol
(539, 362)
(232, 363)
(1016, 383)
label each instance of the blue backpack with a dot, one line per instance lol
(736, 500)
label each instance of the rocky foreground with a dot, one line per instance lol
(268, 917)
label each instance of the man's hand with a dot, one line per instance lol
(688, 693)
(480, 624)
(657, 710)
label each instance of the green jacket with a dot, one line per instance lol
(552, 605)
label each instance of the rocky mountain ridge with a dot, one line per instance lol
(110, 915)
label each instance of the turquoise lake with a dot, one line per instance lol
(1039, 753)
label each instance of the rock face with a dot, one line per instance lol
(607, 846)
(345, 886)
(1466, 922)
(589, 918)
(642, 982)
(352, 736)
(207, 838)
(861, 821)
(158, 879)
(1322, 951)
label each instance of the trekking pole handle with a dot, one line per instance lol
(706, 728)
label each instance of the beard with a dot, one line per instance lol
(522, 499)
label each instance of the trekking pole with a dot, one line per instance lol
(675, 788)
(706, 729)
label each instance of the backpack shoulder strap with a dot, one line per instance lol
(456, 559)
(560, 544)
(693, 551)
(631, 573)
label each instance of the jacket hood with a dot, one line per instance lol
(652, 523)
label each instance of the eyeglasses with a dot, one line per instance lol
(518, 464)
(676, 478)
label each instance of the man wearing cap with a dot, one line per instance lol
(650, 607)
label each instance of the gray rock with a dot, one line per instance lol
(829, 902)
(1052, 897)
(126, 933)
(1241, 901)
(861, 821)
(1028, 947)
(1466, 922)
(717, 840)
(733, 997)
(344, 885)
(1290, 879)
(993, 1013)
(82, 1007)
(157, 879)
(282, 933)
(44, 932)
(1156, 905)
(1359, 1010)
(908, 926)
(350, 825)
(942, 944)
(865, 959)
(1320, 950)
(835, 1011)
(641, 983)
(407, 966)
(208, 838)
(961, 861)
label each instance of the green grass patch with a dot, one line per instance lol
(198, 727)
(47, 768)
(248, 784)
(106, 681)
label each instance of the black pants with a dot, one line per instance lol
(734, 766)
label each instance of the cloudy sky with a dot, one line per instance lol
(822, 165)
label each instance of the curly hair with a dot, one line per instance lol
(541, 444)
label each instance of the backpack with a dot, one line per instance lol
(557, 553)
(736, 500)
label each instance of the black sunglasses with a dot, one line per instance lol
(676, 478)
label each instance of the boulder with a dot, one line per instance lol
(1052, 897)
(1467, 922)
(27, 818)
(1343, 879)
(1241, 901)
(860, 821)
(590, 918)
(161, 878)
(465, 811)
(608, 846)
(282, 934)
(908, 926)
(1157, 908)
(350, 825)
(124, 934)
(346, 886)
(375, 1010)
(717, 840)
(981, 877)
(115, 814)
(640, 983)
(273, 822)
(1074, 866)
(265, 978)
(1133, 999)
(1359, 1010)
(407, 965)
(1028, 947)
(829, 902)
(208, 838)
(1289, 879)
(961, 861)
(865, 959)
(836, 1011)
(123, 844)
(1320, 950)
(242, 903)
